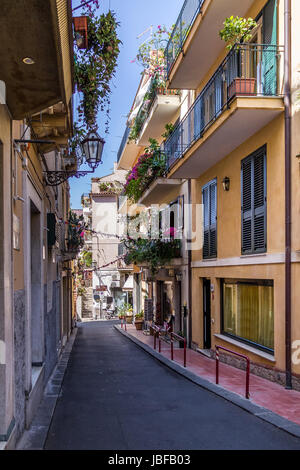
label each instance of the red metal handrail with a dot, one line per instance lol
(123, 320)
(247, 394)
(179, 338)
(155, 335)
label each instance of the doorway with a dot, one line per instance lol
(206, 315)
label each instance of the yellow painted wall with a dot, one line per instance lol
(229, 237)
(229, 203)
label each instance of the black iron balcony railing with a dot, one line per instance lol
(155, 88)
(186, 18)
(123, 142)
(248, 70)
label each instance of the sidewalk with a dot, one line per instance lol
(264, 393)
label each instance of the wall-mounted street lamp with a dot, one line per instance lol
(90, 149)
(226, 183)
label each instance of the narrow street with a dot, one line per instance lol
(115, 396)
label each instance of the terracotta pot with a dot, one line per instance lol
(81, 30)
(242, 87)
(139, 324)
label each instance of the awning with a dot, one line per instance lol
(128, 286)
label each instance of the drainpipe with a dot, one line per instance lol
(190, 268)
(287, 104)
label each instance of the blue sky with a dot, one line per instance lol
(135, 17)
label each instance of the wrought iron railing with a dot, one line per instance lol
(123, 142)
(186, 18)
(153, 91)
(248, 70)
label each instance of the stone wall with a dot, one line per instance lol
(19, 339)
(51, 326)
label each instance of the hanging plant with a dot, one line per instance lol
(150, 165)
(76, 228)
(95, 67)
(156, 252)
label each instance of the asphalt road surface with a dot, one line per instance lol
(117, 397)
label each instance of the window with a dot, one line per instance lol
(209, 201)
(253, 189)
(171, 219)
(248, 312)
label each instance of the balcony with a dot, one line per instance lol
(128, 152)
(36, 80)
(155, 112)
(198, 25)
(243, 95)
(158, 190)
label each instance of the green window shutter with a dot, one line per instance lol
(269, 58)
(254, 202)
(209, 201)
(51, 229)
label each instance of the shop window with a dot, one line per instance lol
(248, 312)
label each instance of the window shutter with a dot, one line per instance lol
(209, 200)
(205, 200)
(259, 203)
(51, 229)
(246, 206)
(254, 203)
(213, 220)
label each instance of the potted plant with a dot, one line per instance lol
(139, 320)
(129, 314)
(81, 31)
(237, 30)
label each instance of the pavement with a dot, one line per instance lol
(274, 402)
(115, 396)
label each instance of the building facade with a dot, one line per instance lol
(103, 291)
(236, 145)
(36, 283)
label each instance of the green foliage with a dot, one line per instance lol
(150, 165)
(125, 310)
(155, 252)
(156, 83)
(95, 67)
(81, 291)
(111, 187)
(151, 53)
(76, 229)
(87, 258)
(236, 30)
(169, 130)
(140, 315)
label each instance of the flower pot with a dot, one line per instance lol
(139, 324)
(242, 87)
(129, 319)
(81, 31)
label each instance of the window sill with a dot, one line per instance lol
(246, 347)
(253, 255)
